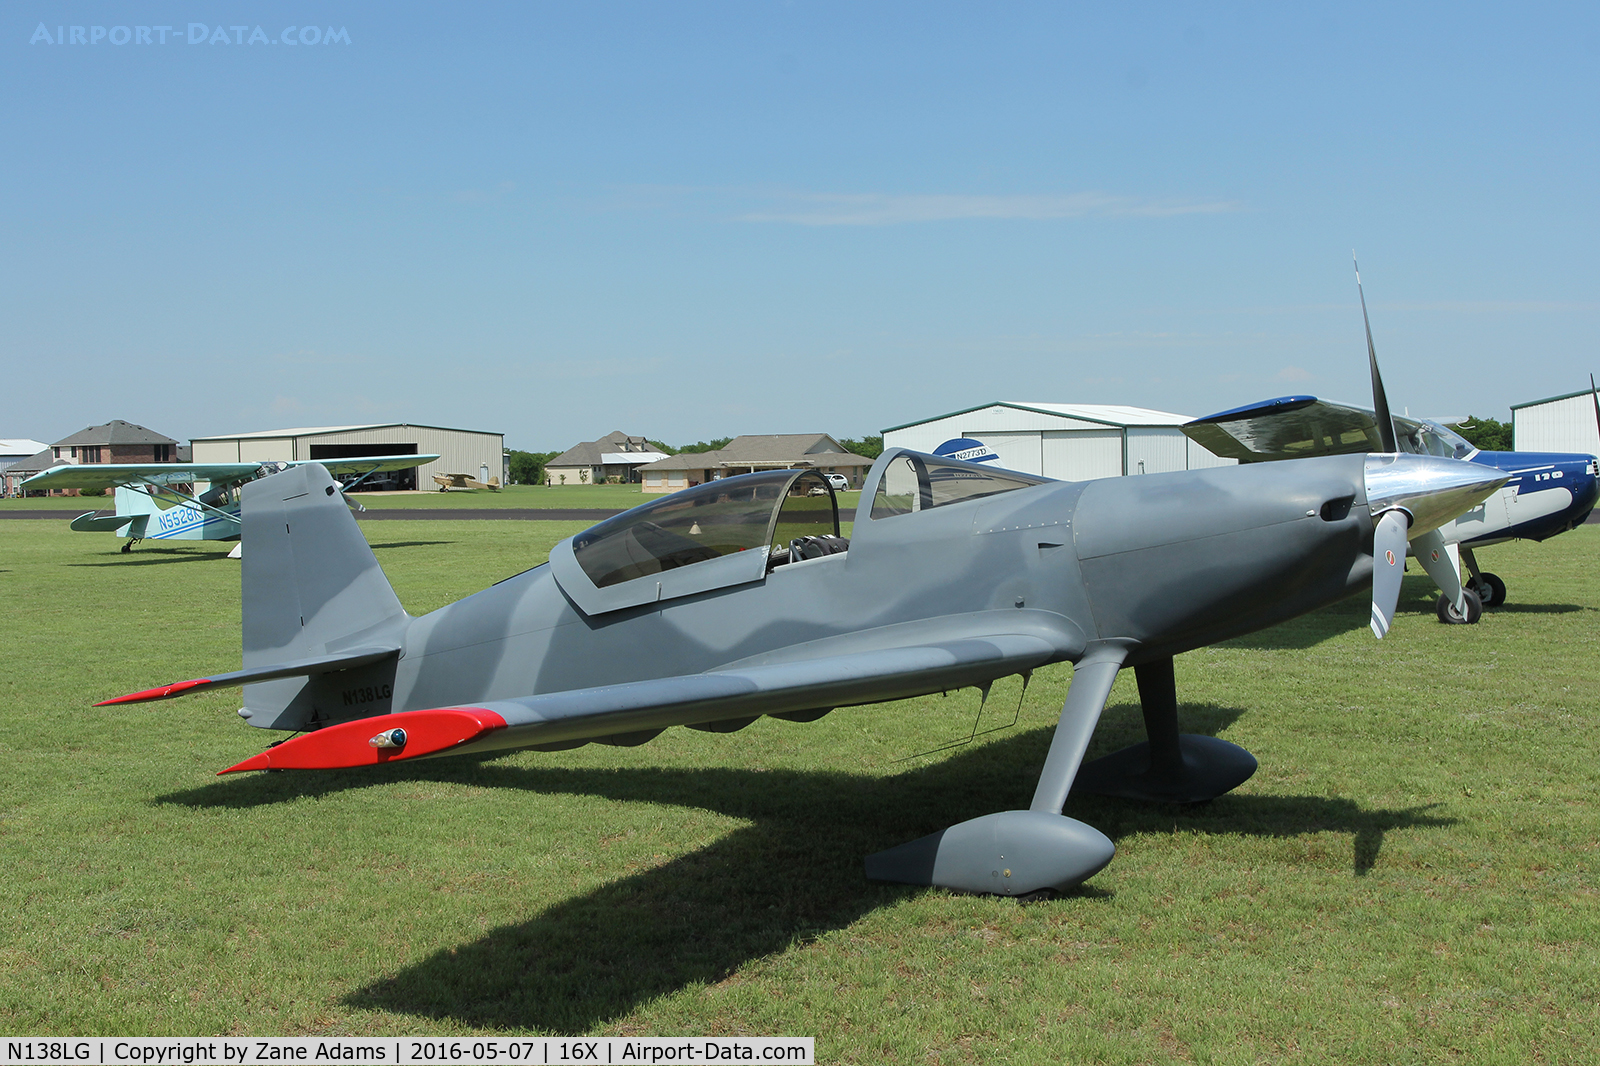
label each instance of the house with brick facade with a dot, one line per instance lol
(114, 442)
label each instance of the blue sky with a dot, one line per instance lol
(697, 220)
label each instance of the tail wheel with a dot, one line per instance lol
(1448, 614)
(1490, 589)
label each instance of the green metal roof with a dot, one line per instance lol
(1551, 399)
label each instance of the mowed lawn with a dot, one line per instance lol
(1411, 876)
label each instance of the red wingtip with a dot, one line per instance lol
(254, 762)
(177, 688)
(349, 743)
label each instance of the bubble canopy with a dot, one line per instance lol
(707, 522)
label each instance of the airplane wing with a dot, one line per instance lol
(799, 682)
(111, 475)
(369, 464)
(634, 712)
(1292, 427)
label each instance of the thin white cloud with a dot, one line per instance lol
(889, 209)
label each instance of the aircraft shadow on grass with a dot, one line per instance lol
(161, 556)
(1417, 598)
(793, 874)
(157, 557)
(1541, 608)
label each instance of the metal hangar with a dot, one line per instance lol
(1557, 424)
(460, 451)
(1067, 441)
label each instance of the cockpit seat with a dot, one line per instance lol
(815, 547)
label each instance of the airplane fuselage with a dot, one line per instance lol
(1549, 493)
(1164, 562)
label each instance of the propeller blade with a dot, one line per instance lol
(1388, 566)
(1595, 393)
(1443, 563)
(1380, 401)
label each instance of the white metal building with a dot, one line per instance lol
(1558, 424)
(1068, 441)
(460, 451)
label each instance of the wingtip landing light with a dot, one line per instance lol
(407, 735)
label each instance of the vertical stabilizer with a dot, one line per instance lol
(310, 586)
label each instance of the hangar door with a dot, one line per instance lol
(1017, 451)
(1064, 454)
(389, 480)
(1082, 454)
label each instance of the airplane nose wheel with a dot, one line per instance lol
(1448, 614)
(1490, 589)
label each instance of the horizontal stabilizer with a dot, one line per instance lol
(95, 522)
(321, 664)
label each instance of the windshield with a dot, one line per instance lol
(1440, 440)
(916, 482)
(701, 523)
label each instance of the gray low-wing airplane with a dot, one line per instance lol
(738, 598)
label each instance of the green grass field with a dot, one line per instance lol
(1411, 876)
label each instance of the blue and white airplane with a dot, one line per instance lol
(154, 501)
(1549, 492)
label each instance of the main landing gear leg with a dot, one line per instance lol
(1490, 589)
(1015, 853)
(1170, 767)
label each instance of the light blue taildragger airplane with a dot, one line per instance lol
(1548, 492)
(153, 501)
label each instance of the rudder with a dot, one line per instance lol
(310, 586)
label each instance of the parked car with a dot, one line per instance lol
(836, 482)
